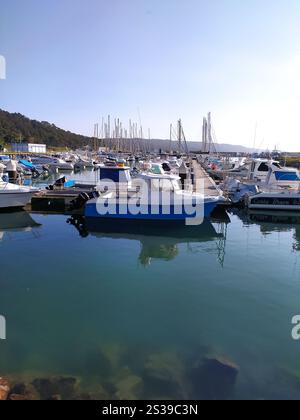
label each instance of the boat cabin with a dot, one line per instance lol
(285, 177)
(117, 174)
(259, 169)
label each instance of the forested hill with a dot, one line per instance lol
(14, 127)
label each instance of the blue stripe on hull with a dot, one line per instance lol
(91, 211)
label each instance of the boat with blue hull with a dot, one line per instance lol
(150, 197)
(149, 213)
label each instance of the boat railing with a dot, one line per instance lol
(4, 185)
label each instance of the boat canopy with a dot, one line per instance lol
(27, 164)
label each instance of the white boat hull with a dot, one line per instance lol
(63, 168)
(269, 201)
(15, 199)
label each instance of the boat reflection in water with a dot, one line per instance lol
(158, 242)
(273, 221)
(16, 222)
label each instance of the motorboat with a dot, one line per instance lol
(14, 196)
(84, 163)
(278, 190)
(53, 162)
(148, 197)
(283, 200)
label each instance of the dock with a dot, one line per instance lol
(210, 187)
(57, 201)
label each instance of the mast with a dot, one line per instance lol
(171, 133)
(96, 135)
(149, 148)
(179, 135)
(204, 135)
(209, 132)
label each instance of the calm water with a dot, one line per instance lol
(117, 309)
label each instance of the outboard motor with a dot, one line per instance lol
(58, 184)
(83, 198)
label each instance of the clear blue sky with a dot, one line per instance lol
(72, 61)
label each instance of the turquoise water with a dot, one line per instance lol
(112, 306)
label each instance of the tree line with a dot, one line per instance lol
(16, 127)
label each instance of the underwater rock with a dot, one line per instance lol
(287, 382)
(215, 378)
(165, 373)
(24, 391)
(99, 394)
(44, 387)
(17, 397)
(55, 398)
(97, 364)
(114, 354)
(128, 386)
(136, 357)
(4, 389)
(64, 387)
(84, 397)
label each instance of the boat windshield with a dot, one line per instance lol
(157, 170)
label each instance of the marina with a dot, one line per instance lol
(149, 203)
(157, 266)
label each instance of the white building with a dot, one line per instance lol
(29, 148)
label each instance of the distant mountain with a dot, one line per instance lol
(14, 127)
(196, 146)
(223, 147)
